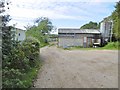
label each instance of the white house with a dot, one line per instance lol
(16, 33)
(19, 33)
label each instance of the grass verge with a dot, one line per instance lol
(109, 46)
(30, 76)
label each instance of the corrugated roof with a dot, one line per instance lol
(72, 30)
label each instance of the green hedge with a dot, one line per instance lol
(22, 61)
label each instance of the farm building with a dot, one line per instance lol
(86, 37)
(75, 37)
(53, 38)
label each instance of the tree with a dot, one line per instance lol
(6, 34)
(44, 24)
(6, 38)
(116, 21)
(40, 30)
(90, 25)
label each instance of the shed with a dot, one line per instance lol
(68, 37)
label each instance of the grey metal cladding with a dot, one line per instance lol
(82, 31)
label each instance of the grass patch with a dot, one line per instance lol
(112, 46)
(51, 44)
(109, 46)
(43, 45)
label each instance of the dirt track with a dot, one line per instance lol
(78, 68)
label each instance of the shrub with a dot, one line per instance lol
(112, 45)
(36, 34)
(31, 50)
(21, 59)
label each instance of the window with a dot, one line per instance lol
(19, 34)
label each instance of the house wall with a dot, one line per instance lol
(20, 35)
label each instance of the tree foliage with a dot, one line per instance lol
(17, 57)
(90, 25)
(41, 30)
(44, 24)
(116, 21)
(21, 59)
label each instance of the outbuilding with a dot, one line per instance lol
(68, 37)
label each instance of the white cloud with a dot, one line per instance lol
(31, 1)
(25, 11)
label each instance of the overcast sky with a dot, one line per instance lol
(62, 13)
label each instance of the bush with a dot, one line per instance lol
(112, 45)
(31, 50)
(36, 34)
(22, 58)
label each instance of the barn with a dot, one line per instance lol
(68, 37)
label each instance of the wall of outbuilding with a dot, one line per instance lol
(76, 40)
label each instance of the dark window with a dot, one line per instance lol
(19, 34)
(70, 33)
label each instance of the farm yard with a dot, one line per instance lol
(77, 68)
(59, 44)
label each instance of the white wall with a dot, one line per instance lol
(20, 35)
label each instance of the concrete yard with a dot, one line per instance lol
(77, 68)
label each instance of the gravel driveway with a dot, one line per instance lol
(78, 68)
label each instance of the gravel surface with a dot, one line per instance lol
(77, 68)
